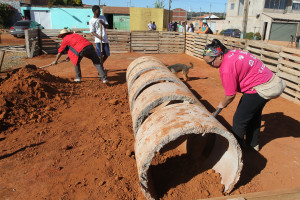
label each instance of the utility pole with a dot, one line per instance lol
(225, 10)
(209, 13)
(170, 1)
(99, 6)
(245, 18)
(200, 12)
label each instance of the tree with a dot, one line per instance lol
(159, 4)
(65, 2)
(5, 12)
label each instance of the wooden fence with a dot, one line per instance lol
(283, 61)
(119, 41)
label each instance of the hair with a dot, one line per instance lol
(95, 7)
(216, 48)
(192, 27)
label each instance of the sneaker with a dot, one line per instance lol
(256, 148)
(78, 80)
(104, 81)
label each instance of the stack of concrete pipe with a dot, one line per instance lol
(165, 113)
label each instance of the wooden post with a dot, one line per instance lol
(33, 48)
(2, 53)
(27, 43)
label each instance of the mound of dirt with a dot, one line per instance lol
(26, 93)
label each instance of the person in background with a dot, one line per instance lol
(153, 26)
(181, 27)
(98, 25)
(204, 29)
(78, 47)
(150, 26)
(242, 72)
(174, 25)
(170, 26)
(191, 28)
(187, 27)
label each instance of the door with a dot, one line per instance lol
(283, 31)
(122, 22)
(42, 17)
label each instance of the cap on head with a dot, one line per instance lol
(212, 51)
(63, 32)
(204, 21)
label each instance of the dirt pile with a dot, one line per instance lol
(25, 95)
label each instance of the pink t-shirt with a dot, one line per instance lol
(240, 71)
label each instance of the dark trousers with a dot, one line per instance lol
(247, 119)
(89, 52)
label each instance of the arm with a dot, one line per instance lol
(96, 35)
(226, 101)
(94, 31)
(56, 59)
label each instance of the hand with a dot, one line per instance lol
(67, 59)
(101, 22)
(221, 105)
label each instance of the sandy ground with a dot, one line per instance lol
(61, 140)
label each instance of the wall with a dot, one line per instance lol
(140, 18)
(236, 21)
(220, 25)
(66, 17)
(179, 15)
(121, 22)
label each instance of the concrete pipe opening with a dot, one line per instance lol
(157, 96)
(148, 79)
(140, 62)
(199, 138)
(141, 69)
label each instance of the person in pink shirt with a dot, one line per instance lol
(240, 71)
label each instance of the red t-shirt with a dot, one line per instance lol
(74, 44)
(240, 71)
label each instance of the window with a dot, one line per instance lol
(275, 4)
(296, 5)
(241, 7)
(232, 6)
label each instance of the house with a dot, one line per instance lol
(215, 23)
(273, 19)
(59, 17)
(179, 15)
(140, 17)
(117, 17)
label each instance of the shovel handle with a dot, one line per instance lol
(217, 111)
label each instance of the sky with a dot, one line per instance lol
(189, 5)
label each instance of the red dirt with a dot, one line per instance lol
(61, 140)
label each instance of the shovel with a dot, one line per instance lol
(217, 112)
(66, 60)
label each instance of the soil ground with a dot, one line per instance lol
(61, 140)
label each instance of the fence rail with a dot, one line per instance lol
(283, 61)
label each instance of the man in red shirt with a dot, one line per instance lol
(78, 47)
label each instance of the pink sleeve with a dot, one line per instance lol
(230, 84)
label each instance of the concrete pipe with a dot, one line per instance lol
(140, 61)
(149, 78)
(175, 123)
(154, 96)
(143, 68)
